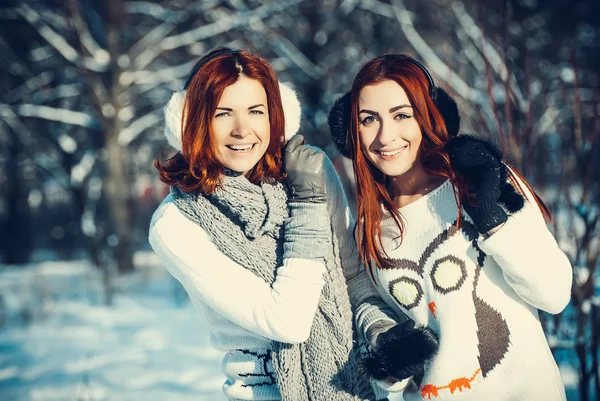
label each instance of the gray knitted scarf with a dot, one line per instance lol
(246, 222)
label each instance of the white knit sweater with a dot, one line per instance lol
(244, 313)
(483, 303)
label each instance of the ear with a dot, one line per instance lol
(338, 119)
(291, 110)
(448, 109)
(174, 114)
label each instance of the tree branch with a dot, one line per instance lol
(211, 30)
(489, 51)
(50, 113)
(127, 135)
(57, 41)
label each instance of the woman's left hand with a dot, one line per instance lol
(304, 167)
(476, 159)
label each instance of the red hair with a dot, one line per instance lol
(371, 183)
(195, 167)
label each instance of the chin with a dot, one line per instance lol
(393, 171)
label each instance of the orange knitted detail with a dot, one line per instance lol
(429, 390)
(432, 307)
(460, 383)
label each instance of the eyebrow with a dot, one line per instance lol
(249, 108)
(393, 109)
(369, 112)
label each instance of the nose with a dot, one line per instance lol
(242, 128)
(387, 133)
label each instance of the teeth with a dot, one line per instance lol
(393, 153)
(240, 147)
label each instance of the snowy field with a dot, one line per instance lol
(58, 342)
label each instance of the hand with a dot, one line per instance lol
(482, 164)
(304, 167)
(401, 352)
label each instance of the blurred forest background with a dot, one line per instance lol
(83, 83)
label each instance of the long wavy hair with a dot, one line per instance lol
(195, 167)
(372, 184)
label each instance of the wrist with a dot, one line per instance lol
(487, 215)
(307, 196)
(490, 232)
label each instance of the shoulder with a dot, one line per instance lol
(169, 222)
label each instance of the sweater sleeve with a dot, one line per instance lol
(367, 305)
(531, 261)
(282, 312)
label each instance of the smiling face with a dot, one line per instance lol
(240, 125)
(389, 133)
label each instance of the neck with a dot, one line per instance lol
(412, 185)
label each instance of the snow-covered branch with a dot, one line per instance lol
(547, 121)
(100, 56)
(211, 30)
(56, 20)
(286, 49)
(127, 135)
(489, 51)
(155, 10)
(152, 37)
(29, 86)
(82, 170)
(41, 159)
(50, 113)
(348, 6)
(57, 41)
(433, 62)
(377, 7)
(156, 77)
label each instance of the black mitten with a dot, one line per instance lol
(481, 161)
(401, 352)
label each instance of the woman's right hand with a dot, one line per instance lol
(401, 352)
(304, 167)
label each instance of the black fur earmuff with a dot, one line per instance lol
(339, 115)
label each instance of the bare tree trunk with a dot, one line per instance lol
(581, 349)
(117, 185)
(118, 193)
(16, 228)
(595, 316)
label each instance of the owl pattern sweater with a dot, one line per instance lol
(480, 296)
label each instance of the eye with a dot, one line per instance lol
(368, 120)
(448, 274)
(223, 114)
(402, 116)
(257, 112)
(406, 291)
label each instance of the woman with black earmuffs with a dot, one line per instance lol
(454, 238)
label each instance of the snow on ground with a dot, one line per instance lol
(142, 348)
(59, 342)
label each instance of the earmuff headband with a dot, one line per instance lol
(206, 60)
